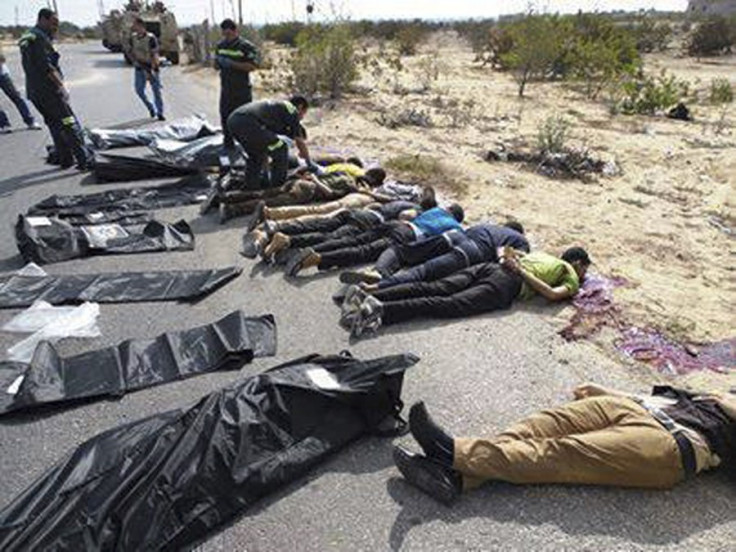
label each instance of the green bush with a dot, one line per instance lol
(537, 46)
(324, 61)
(714, 36)
(553, 134)
(598, 53)
(721, 91)
(651, 36)
(644, 94)
(409, 38)
(283, 33)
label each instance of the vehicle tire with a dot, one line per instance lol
(173, 57)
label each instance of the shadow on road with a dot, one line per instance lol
(45, 176)
(116, 62)
(641, 516)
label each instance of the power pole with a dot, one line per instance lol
(212, 10)
(240, 12)
(17, 19)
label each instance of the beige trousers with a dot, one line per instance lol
(350, 201)
(598, 441)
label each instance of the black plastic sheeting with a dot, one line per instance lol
(183, 130)
(113, 287)
(50, 240)
(202, 153)
(228, 343)
(185, 191)
(110, 167)
(167, 481)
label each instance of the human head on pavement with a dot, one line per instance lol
(302, 105)
(139, 26)
(48, 21)
(229, 29)
(579, 259)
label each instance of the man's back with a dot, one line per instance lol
(280, 117)
(493, 236)
(38, 57)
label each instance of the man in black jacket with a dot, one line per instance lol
(603, 437)
(45, 88)
(260, 128)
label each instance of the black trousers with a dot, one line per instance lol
(363, 248)
(466, 253)
(230, 100)
(64, 129)
(259, 144)
(478, 289)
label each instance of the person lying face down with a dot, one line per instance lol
(440, 256)
(602, 437)
(368, 246)
(331, 231)
(301, 189)
(474, 290)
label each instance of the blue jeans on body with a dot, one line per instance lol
(7, 86)
(141, 77)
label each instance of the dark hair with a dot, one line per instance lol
(139, 21)
(45, 13)
(576, 254)
(429, 199)
(514, 225)
(355, 161)
(228, 24)
(457, 212)
(375, 176)
(300, 102)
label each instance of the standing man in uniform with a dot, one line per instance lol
(259, 127)
(7, 85)
(144, 55)
(235, 58)
(45, 88)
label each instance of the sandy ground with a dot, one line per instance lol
(651, 224)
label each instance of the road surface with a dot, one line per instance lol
(476, 376)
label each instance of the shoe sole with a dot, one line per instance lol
(355, 277)
(419, 477)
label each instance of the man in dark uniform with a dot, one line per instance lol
(259, 126)
(45, 88)
(235, 58)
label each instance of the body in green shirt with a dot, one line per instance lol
(552, 270)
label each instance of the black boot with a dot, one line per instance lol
(440, 482)
(434, 440)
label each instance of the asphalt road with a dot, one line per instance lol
(476, 376)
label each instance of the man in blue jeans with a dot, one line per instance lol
(144, 55)
(6, 83)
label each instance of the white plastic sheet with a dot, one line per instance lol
(48, 323)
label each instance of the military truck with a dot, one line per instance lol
(116, 28)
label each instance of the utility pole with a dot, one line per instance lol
(240, 12)
(17, 19)
(212, 11)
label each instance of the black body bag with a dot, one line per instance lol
(169, 480)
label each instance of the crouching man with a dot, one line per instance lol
(603, 437)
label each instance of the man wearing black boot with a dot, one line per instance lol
(603, 437)
(45, 88)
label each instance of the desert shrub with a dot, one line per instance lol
(650, 35)
(553, 134)
(537, 46)
(404, 118)
(597, 53)
(645, 94)
(496, 43)
(324, 61)
(429, 68)
(283, 33)
(713, 36)
(721, 91)
(461, 113)
(426, 170)
(384, 65)
(409, 37)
